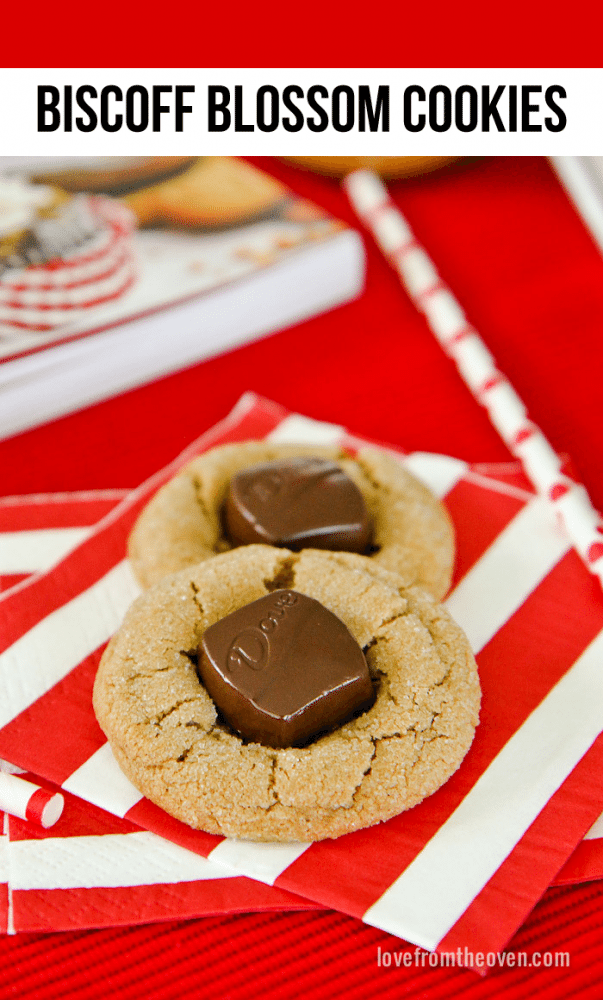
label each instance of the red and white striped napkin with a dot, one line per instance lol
(3, 873)
(37, 530)
(465, 866)
(586, 862)
(92, 869)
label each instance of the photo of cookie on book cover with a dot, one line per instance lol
(87, 241)
(117, 270)
(87, 244)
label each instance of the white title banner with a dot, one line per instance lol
(471, 112)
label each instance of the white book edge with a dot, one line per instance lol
(69, 376)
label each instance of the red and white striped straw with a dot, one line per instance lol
(22, 798)
(476, 365)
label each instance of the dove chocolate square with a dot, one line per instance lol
(284, 669)
(297, 503)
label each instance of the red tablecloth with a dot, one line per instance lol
(510, 245)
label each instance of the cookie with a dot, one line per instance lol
(387, 166)
(169, 740)
(109, 174)
(215, 191)
(182, 524)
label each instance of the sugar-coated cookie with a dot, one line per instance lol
(183, 523)
(169, 740)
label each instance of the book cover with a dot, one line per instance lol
(163, 275)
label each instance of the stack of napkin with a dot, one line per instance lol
(461, 870)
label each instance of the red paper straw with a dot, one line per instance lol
(476, 365)
(28, 801)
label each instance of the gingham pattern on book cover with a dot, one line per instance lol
(45, 296)
(467, 865)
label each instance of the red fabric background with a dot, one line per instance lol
(510, 245)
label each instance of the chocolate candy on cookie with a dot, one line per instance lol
(283, 669)
(220, 501)
(301, 502)
(172, 741)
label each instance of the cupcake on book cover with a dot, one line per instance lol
(60, 255)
